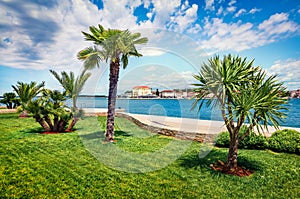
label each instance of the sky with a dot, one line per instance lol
(39, 35)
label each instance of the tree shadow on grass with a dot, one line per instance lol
(9, 116)
(122, 134)
(94, 135)
(194, 161)
(33, 130)
(101, 135)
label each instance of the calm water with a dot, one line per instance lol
(178, 108)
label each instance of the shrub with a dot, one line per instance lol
(252, 141)
(286, 140)
(223, 139)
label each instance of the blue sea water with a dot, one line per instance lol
(178, 108)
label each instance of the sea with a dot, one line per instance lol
(179, 108)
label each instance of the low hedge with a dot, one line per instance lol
(252, 141)
(286, 140)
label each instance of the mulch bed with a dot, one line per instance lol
(240, 171)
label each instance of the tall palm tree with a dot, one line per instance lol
(114, 46)
(26, 92)
(245, 94)
(73, 86)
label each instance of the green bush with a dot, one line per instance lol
(286, 140)
(252, 141)
(223, 139)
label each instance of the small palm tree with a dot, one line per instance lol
(10, 100)
(49, 111)
(26, 92)
(73, 86)
(114, 46)
(244, 94)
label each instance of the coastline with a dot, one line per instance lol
(188, 125)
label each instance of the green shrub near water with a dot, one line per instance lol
(252, 141)
(286, 140)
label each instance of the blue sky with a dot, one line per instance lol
(38, 35)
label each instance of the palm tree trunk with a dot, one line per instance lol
(231, 164)
(42, 122)
(49, 122)
(72, 124)
(61, 125)
(74, 103)
(112, 96)
(55, 124)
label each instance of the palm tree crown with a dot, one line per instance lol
(113, 44)
(27, 91)
(73, 86)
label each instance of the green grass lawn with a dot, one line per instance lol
(81, 165)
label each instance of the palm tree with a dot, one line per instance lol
(73, 86)
(49, 111)
(244, 94)
(10, 100)
(26, 92)
(114, 46)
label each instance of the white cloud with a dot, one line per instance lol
(232, 2)
(277, 24)
(39, 36)
(209, 5)
(241, 36)
(287, 71)
(254, 10)
(220, 11)
(184, 19)
(231, 9)
(148, 51)
(240, 12)
(161, 77)
(49, 39)
(299, 11)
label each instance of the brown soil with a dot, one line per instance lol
(51, 132)
(239, 171)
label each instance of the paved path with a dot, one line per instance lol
(181, 124)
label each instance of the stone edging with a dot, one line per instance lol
(200, 137)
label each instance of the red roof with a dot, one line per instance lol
(137, 87)
(167, 91)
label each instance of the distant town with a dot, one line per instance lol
(147, 92)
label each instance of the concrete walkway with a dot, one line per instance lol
(179, 124)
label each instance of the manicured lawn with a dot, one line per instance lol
(33, 165)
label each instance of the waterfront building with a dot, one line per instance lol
(168, 94)
(141, 91)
